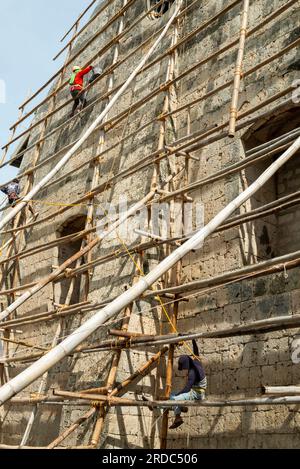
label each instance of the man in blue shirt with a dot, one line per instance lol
(196, 384)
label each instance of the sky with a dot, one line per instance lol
(30, 33)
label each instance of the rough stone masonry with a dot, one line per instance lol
(236, 367)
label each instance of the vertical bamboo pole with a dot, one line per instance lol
(101, 414)
(57, 334)
(238, 69)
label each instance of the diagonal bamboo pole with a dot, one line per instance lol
(72, 259)
(92, 127)
(119, 390)
(28, 376)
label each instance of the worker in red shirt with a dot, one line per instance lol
(77, 88)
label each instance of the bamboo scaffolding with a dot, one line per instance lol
(271, 17)
(275, 266)
(90, 130)
(267, 152)
(68, 345)
(193, 147)
(109, 70)
(181, 108)
(42, 283)
(281, 148)
(283, 203)
(238, 69)
(78, 52)
(263, 211)
(102, 8)
(120, 389)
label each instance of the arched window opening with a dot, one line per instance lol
(64, 291)
(277, 233)
(162, 7)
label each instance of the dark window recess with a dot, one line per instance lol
(161, 9)
(17, 161)
(65, 252)
(277, 233)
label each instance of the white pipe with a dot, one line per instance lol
(285, 390)
(36, 370)
(90, 130)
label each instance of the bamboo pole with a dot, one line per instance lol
(121, 388)
(82, 333)
(124, 114)
(78, 53)
(275, 265)
(103, 7)
(257, 327)
(89, 414)
(117, 402)
(284, 390)
(90, 130)
(238, 69)
(197, 136)
(41, 284)
(181, 108)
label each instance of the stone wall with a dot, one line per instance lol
(235, 367)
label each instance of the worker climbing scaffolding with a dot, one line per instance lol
(77, 87)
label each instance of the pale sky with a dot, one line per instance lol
(30, 33)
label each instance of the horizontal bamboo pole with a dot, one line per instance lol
(117, 402)
(98, 13)
(82, 15)
(69, 344)
(120, 333)
(256, 327)
(179, 77)
(270, 266)
(78, 53)
(175, 111)
(50, 278)
(194, 147)
(284, 390)
(22, 343)
(49, 400)
(110, 69)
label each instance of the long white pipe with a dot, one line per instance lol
(90, 130)
(36, 370)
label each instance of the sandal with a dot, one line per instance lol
(177, 422)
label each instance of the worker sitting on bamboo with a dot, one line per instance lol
(12, 190)
(77, 88)
(196, 383)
